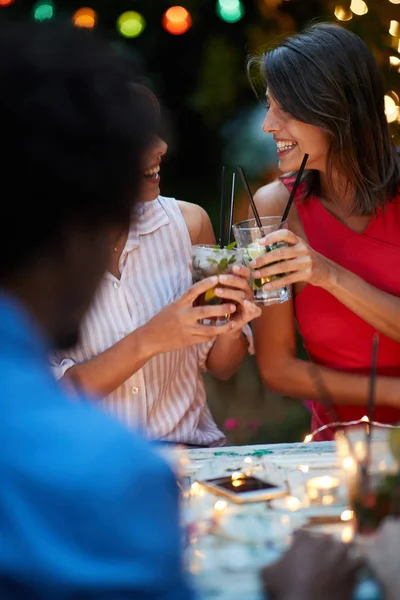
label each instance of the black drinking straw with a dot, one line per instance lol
(251, 199)
(294, 190)
(372, 383)
(222, 212)
(230, 223)
(370, 409)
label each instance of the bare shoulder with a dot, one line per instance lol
(271, 199)
(198, 223)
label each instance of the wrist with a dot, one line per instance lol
(145, 344)
(332, 277)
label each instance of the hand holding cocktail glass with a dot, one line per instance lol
(292, 259)
(232, 284)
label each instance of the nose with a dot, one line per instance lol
(160, 147)
(271, 123)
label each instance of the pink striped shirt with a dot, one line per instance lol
(166, 398)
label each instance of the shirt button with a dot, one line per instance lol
(135, 390)
(116, 285)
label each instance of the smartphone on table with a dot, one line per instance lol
(244, 488)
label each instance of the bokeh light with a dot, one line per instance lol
(358, 7)
(131, 24)
(343, 14)
(85, 17)
(177, 20)
(6, 2)
(394, 28)
(230, 11)
(43, 10)
(391, 107)
(394, 61)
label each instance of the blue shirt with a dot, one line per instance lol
(87, 510)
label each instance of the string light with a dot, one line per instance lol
(309, 438)
(358, 7)
(85, 17)
(394, 61)
(6, 2)
(394, 28)
(230, 11)
(177, 20)
(131, 24)
(342, 14)
(395, 1)
(43, 10)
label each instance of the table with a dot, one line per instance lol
(225, 568)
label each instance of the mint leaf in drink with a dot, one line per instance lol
(223, 265)
(232, 260)
(212, 261)
(231, 246)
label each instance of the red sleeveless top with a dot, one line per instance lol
(333, 335)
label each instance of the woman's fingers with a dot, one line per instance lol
(302, 263)
(280, 254)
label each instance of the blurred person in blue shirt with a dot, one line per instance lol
(86, 509)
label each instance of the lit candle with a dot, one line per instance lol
(323, 490)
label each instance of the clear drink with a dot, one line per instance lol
(208, 261)
(247, 235)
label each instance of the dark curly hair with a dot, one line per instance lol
(73, 132)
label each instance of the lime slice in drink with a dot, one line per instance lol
(209, 295)
(254, 250)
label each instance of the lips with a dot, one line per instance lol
(284, 145)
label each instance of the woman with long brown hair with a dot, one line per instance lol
(325, 98)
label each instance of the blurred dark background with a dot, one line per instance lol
(194, 59)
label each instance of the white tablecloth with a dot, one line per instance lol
(224, 559)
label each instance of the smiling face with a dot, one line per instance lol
(151, 173)
(294, 139)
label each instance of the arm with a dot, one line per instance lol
(175, 327)
(282, 371)
(378, 308)
(105, 372)
(275, 344)
(229, 350)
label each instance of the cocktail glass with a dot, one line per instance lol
(247, 235)
(208, 261)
